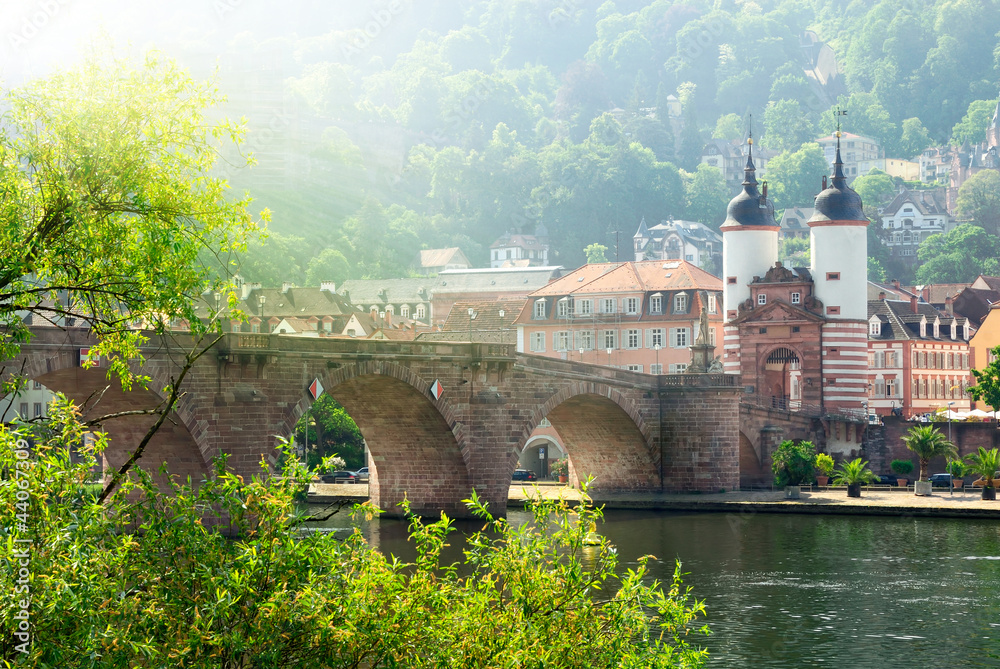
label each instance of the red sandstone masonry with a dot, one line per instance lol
(631, 431)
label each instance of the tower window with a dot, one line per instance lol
(833, 276)
(832, 311)
(761, 298)
(731, 280)
(796, 298)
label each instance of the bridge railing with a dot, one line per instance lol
(798, 406)
(699, 380)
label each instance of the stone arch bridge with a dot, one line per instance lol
(630, 431)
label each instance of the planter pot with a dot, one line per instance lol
(854, 490)
(989, 493)
(958, 484)
(792, 492)
(902, 482)
(922, 488)
(822, 481)
(563, 478)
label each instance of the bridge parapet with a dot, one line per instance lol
(265, 343)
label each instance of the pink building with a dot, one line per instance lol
(641, 316)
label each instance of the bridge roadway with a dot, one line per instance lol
(630, 431)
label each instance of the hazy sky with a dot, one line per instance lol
(35, 35)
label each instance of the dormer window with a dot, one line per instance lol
(562, 308)
(656, 304)
(965, 330)
(875, 327)
(539, 310)
(712, 304)
(923, 327)
(680, 303)
(937, 328)
(404, 311)
(954, 328)
(420, 311)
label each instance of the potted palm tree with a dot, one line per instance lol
(986, 464)
(793, 463)
(927, 442)
(854, 474)
(902, 468)
(824, 463)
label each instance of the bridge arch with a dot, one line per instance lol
(58, 369)
(604, 434)
(417, 444)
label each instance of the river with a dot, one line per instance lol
(802, 590)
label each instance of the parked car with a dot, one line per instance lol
(980, 483)
(885, 479)
(339, 477)
(523, 475)
(362, 475)
(940, 480)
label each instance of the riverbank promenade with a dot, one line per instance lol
(874, 501)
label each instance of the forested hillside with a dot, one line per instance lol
(445, 123)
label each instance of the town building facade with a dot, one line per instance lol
(517, 250)
(642, 316)
(679, 240)
(911, 217)
(854, 149)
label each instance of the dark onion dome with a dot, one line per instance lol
(839, 202)
(749, 208)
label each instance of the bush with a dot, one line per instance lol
(793, 463)
(902, 467)
(144, 581)
(824, 463)
(559, 467)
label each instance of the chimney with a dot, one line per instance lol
(949, 305)
(328, 286)
(913, 304)
(286, 286)
(881, 295)
(895, 283)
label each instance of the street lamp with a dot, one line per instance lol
(261, 298)
(952, 491)
(656, 347)
(581, 354)
(609, 357)
(472, 317)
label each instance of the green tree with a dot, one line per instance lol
(979, 199)
(987, 388)
(875, 271)
(107, 202)
(794, 252)
(796, 178)
(729, 126)
(927, 443)
(706, 195)
(793, 463)
(958, 257)
(972, 127)
(329, 265)
(329, 430)
(596, 253)
(875, 188)
(786, 127)
(914, 138)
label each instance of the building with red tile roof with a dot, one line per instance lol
(641, 316)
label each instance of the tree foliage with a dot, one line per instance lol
(142, 580)
(108, 209)
(979, 199)
(928, 442)
(793, 463)
(958, 257)
(328, 429)
(796, 178)
(987, 387)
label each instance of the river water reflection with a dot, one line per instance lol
(798, 590)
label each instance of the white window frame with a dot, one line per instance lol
(656, 368)
(563, 308)
(680, 337)
(631, 305)
(680, 303)
(538, 342)
(632, 339)
(796, 298)
(421, 312)
(712, 304)
(610, 339)
(561, 340)
(584, 339)
(539, 309)
(761, 299)
(584, 307)
(656, 304)
(608, 305)
(657, 337)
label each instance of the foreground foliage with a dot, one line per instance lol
(793, 462)
(928, 443)
(144, 581)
